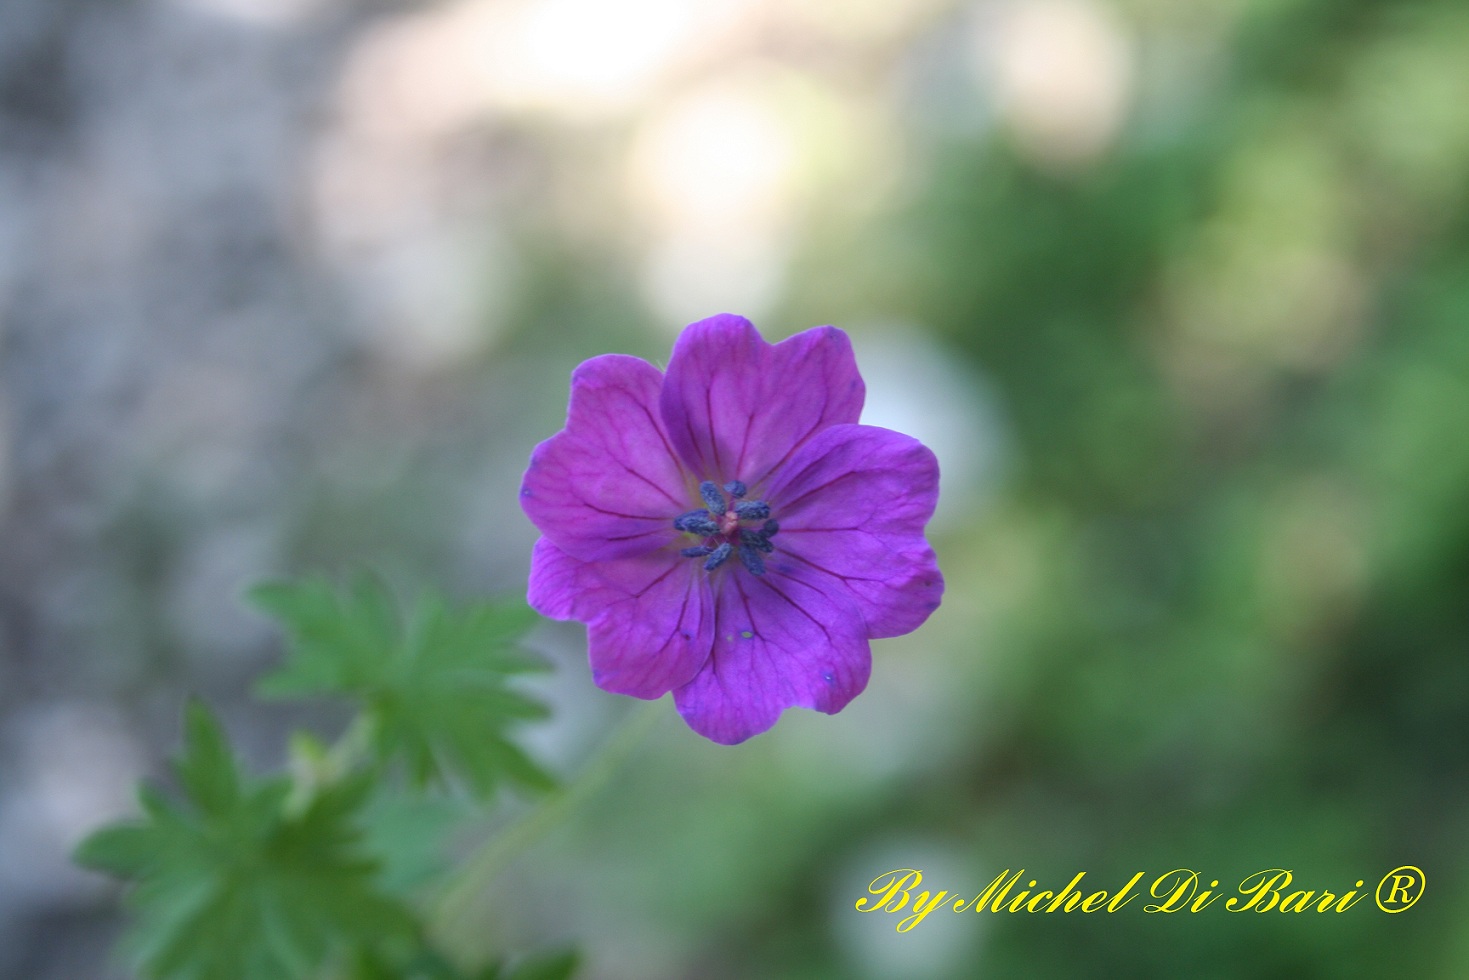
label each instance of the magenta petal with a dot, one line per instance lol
(609, 484)
(827, 531)
(852, 504)
(736, 406)
(650, 618)
(778, 643)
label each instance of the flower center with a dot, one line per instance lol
(726, 528)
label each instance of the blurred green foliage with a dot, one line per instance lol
(1217, 615)
(329, 870)
(1236, 361)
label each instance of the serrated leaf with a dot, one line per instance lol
(435, 689)
(408, 832)
(124, 850)
(334, 638)
(207, 768)
(230, 885)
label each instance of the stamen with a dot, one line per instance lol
(752, 510)
(713, 499)
(719, 556)
(696, 522)
(719, 528)
(756, 540)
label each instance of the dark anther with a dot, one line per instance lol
(713, 499)
(718, 557)
(751, 559)
(719, 528)
(696, 522)
(756, 540)
(752, 510)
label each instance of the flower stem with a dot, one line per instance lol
(496, 853)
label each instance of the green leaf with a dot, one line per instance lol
(434, 688)
(408, 832)
(229, 883)
(124, 850)
(207, 768)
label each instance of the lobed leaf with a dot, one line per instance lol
(231, 884)
(435, 688)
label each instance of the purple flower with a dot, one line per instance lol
(727, 531)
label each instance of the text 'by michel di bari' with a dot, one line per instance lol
(1180, 890)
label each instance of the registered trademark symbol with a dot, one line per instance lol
(1400, 888)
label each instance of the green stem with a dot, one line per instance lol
(353, 746)
(314, 765)
(492, 857)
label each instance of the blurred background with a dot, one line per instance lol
(1177, 291)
